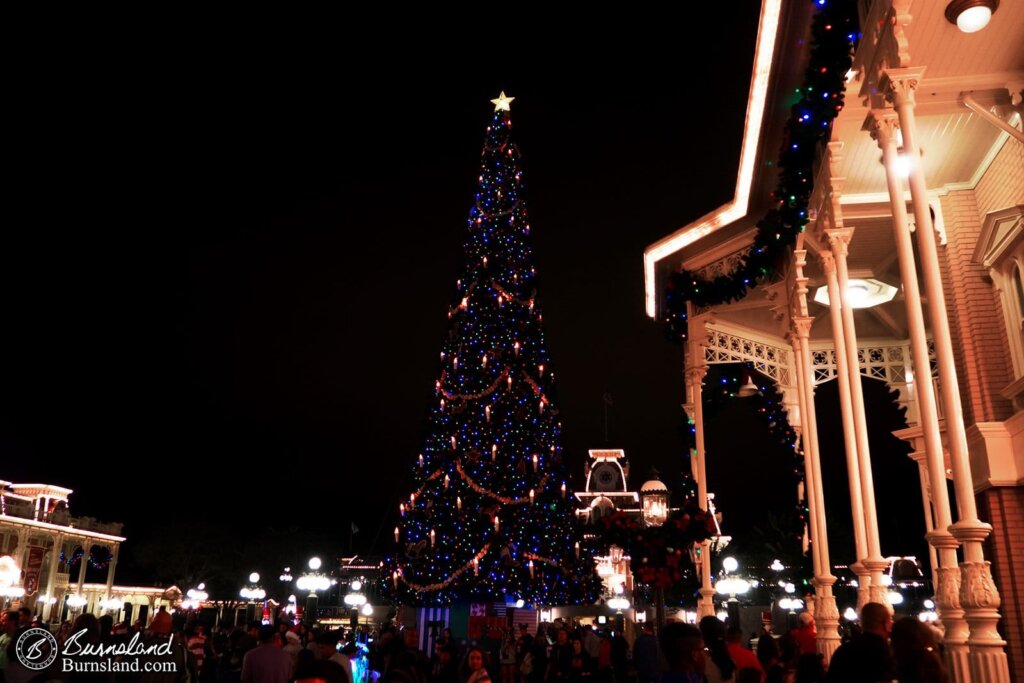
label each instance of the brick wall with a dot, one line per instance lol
(1003, 508)
(1003, 183)
(975, 315)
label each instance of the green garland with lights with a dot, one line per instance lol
(722, 384)
(819, 100)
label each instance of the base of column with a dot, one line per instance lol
(958, 662)
(826, 616)
(878, 592)
(706, 604)
(863, 584)
(990, 665)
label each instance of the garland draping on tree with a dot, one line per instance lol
(722, 383)
(834, 32)
(400, 576)
(659, 554)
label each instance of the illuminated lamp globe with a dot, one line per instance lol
(367, 610)
(730, 564)
(850, 614)
(357, 585)
(970, 16)
(618, 604)
(654, 495)
(895, 598)
(254, 577)
(314, 563)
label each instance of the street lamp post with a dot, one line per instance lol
(252, 594)
(732, 587)
(313, 581)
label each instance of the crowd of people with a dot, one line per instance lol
(878, 651)
(556, 653)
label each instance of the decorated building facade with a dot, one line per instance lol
(876, 232)
(45, 553)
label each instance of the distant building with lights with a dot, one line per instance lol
(606, 491)
(40, 546)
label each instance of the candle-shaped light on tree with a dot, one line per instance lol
(536, 460)
(446, 481)
(531, 496)
(541, 369)
(516, 347)
(453, 442)
(394, 577)
(531, 569)
(510, 382)
(476, 566)
(421, 460)
(487, 412)
(458, 503)
(401, 509)
(433, 536)
(563, 489)
(398, 534)
(494, 452)
(497, 523)
(577, 548)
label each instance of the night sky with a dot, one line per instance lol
(226, 287)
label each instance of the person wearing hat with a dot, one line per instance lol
(806, 634)
(292, 644)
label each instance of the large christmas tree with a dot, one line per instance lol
(489, 515)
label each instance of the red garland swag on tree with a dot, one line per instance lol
(658, 554)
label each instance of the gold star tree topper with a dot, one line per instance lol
(503, 102)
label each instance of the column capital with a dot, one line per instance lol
(802, 326)
(883, 125)
(696, 373)
(828, 264)
(839, 239)
(899, 85)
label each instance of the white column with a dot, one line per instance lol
(839, 239)
(111, 568)
(695, 373)
(51, 575)
(941, 542)
(978, 593)
(84, 564)
(826, 612)
(849, 435)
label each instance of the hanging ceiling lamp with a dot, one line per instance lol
(970, 16)
(749, 389)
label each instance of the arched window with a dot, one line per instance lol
(602, 507)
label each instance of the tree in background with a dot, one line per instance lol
(489, 515)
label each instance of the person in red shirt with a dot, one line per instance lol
(806, 636)
(741, 656)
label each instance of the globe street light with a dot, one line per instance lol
(252, 594)
(313, 581)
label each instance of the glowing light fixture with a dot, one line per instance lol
(730, 564)
(970, 16)
(850, 614)
(314, 563)
(860, 293)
